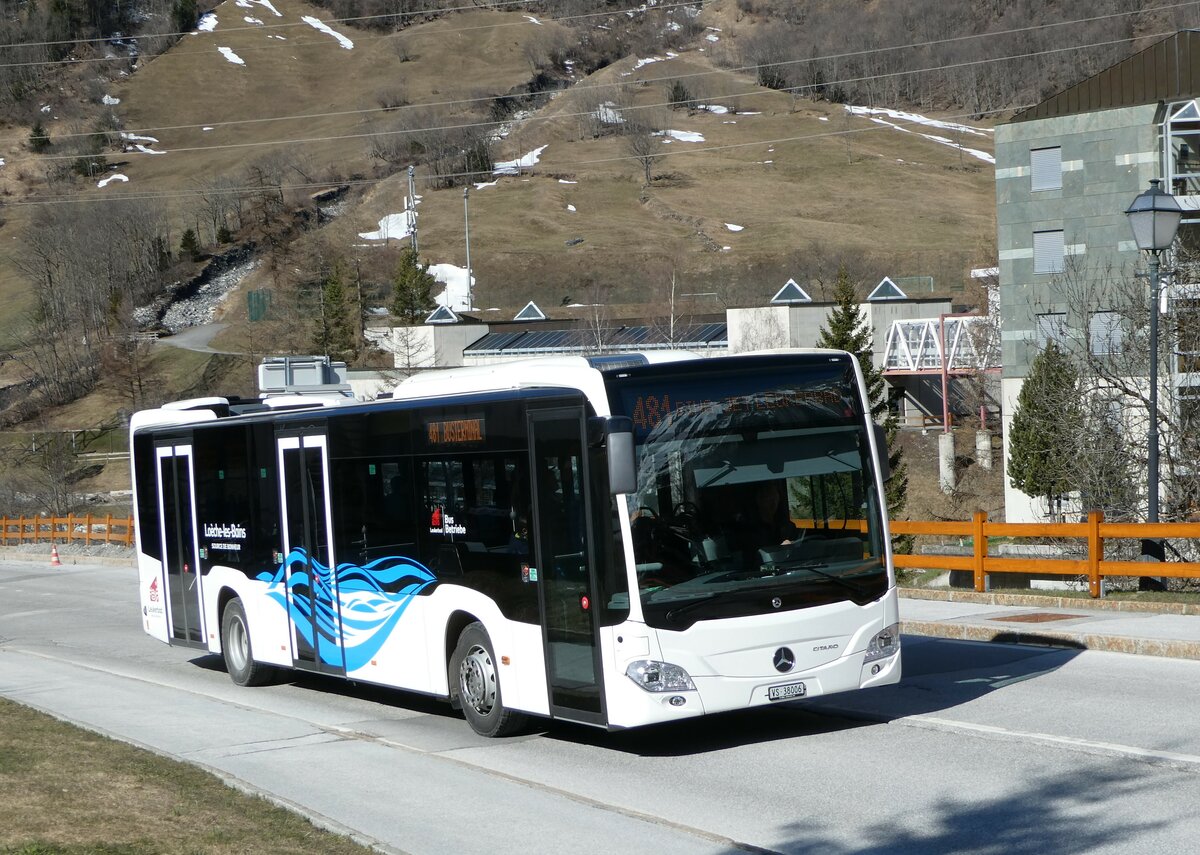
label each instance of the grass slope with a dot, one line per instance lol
(809, 183)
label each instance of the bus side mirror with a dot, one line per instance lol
(617, 436)
(885, 468)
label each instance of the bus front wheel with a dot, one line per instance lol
(476, 685)
(235, 647)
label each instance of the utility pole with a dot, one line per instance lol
(412, 208)
(467, 233)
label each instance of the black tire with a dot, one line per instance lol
(475, 684)
(235, 648)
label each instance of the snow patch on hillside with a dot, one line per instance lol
(873, 114)
(457, 295)
(512, 167)
(318, 24)
(266, 4)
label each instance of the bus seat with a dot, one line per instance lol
(713, 549)
(449, 562)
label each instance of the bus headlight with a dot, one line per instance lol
(659, 676)
(884, 644)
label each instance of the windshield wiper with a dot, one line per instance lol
(815, 567)
(671, 614)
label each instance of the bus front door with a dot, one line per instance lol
(180, 548)
(566, 586)
(308, 554)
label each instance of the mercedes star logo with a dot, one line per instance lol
(784, 660)
(776, 602)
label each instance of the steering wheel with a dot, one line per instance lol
(686, 509)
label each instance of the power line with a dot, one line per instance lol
(74, 198)
(357, 19)
(692, 75)
(605, 14)
(492, 124)
(666, 7)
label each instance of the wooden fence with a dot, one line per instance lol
(1091, 534)
(89, 529)
(77, 528)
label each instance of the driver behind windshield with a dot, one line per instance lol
(763, 521)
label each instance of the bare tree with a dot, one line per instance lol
(644, 129)
(672, 315)
(411, 349)
(1101, 320)
(597, 320)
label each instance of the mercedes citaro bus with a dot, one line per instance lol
(616, 541)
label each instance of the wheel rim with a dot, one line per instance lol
(238, 645)
(477, 680)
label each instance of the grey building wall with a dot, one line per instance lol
(1108, 157)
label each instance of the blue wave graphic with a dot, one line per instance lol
(351, 632)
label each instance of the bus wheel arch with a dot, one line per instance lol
(236, 648)
(455, 624)
(474, 683)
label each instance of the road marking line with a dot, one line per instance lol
(1147, 755)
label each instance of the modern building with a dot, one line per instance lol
(1066, 170)
(791, 319)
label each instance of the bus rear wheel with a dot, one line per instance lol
(235, 648)
(476, 685)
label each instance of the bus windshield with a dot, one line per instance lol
(756, 488)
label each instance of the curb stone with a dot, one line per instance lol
(1051, 602)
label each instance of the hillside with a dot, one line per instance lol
(236, 126)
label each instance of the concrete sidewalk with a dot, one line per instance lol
(1120, 626)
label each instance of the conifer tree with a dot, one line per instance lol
(412, 289)
(1043, 448)
(334, 334)
(189, 246)
(846, 329)
(184, 15)
(39, 140)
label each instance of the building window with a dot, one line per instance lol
(1187, 321)
(1045, 168)
(1048, 252)
(1182, 131)
(1189, 420)
(1051, 327)
(1104, 333)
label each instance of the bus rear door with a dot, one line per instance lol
(566, 586)
(311, 575)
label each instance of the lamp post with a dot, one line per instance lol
(1154, 217)
(467, 234)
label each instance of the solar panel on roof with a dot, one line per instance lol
(541, 340)
(492, 342)
(714, 332)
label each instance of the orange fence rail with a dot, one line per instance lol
(73, 528)
(1092, 565)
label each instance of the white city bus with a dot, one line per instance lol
(613, 541)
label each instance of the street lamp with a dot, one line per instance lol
(1154, 217)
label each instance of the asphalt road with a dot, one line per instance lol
(981, 749)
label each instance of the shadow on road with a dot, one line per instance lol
(939, 674)
(1090, 807)
(411, 701)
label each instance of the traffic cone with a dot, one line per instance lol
(54, 562)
